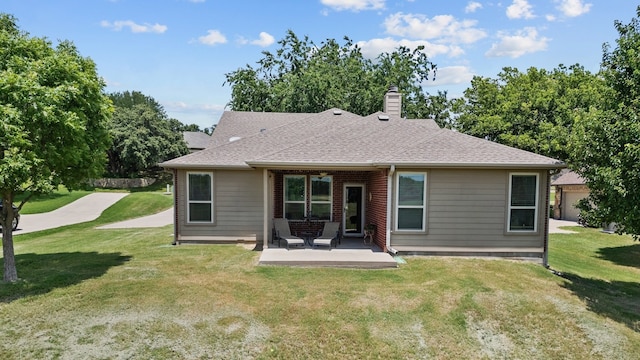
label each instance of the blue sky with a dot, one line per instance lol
(177, 51)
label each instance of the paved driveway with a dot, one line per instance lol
(554, 226)
(87, 208)
(156, 220)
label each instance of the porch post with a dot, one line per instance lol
(265, 208)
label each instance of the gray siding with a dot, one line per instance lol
(467, 212)
(238, 208)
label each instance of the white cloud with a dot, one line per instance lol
(441, 27)
(451, 75)
(135, 28)
(573, 8)
(265, 40)
(354, 5)
(374, 47)
(472, 6)
(212, 38)
(550, 17)
(523, 42)
(520, 9)
(181, 106)
(197, 1)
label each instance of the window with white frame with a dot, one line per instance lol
(523, 202)
(411, 200)
(321, 197)
(200, 197)
(295, 194)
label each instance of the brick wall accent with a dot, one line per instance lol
(377, 207)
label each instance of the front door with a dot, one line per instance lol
(353, 214)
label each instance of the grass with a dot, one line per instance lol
(603, 271)
(88, 293)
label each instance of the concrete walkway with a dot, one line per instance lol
(87, 208)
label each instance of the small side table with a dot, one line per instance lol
(308, 236)
(368, 234)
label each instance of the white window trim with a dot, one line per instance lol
(398, 206)
(284, 194)
(535, 207)
(330, 202)
(189, 201)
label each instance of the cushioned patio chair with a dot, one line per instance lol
(283, 232)
(330, 235)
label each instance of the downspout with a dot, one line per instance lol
(545, 255)
(175, 207)
(392, 170)
(265, 208)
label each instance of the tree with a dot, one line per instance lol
(606, 143)
(142, 135)
(304, 77)
(54, 122)
(534, 111)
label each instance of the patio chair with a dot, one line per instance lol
(330, 235)
(283, 232)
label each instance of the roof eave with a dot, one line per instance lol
(296, 165)
(205, 166)
(475, 165)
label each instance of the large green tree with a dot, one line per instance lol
(142, 135)
(53, 127)
(302, 76)
(606, 143)
(533, 110)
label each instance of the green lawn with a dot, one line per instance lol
(102, 294)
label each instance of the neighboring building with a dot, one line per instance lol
(570, 188)
(428, 190)
(196, 140)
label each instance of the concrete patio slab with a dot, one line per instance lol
(319, 257)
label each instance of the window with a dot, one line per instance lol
(321, 197)
(411, 201)
(295, 194)
(200, 201)
(523, 202)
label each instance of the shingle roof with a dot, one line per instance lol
(244, 139)
(196, 140)
(568, 178)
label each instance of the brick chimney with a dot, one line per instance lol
(393, 102)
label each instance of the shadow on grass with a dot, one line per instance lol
(617, 300)
(42, 273)
(621, 255)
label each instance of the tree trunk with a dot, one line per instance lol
(10, 272)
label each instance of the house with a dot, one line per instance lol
(570, 188)
(196, 140)
(428, 190)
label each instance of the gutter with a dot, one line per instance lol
(392, 170)
(559, 165)
(205, 166)
(295, 165)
